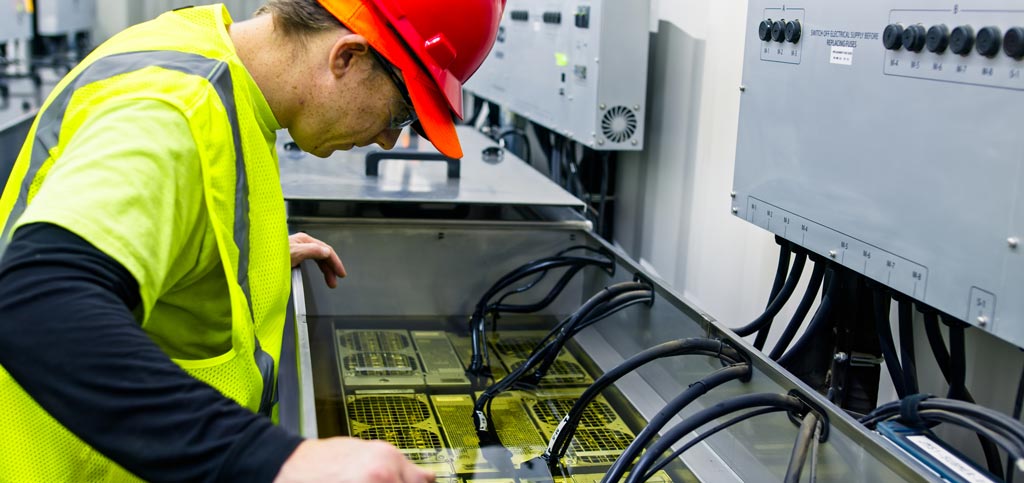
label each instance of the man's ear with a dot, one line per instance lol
(348, 47)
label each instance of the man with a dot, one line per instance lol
(144, 277)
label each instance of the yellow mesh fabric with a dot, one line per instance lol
(34, 446)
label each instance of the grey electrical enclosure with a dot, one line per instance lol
(578, 68)
(886, 135)
(15, 22)
(64, 17)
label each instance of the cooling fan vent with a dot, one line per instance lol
(366, 341)
(388, 411)
(417, 444)
(379, 364)
(599, 445)
(619, 124)
(551, 411)
(520, 347)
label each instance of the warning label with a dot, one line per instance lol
(844, 38)
(841, 55)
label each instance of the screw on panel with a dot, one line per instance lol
(601, 106)
(600, 142)
(982, 321)
(636, 107)
(832, 253)
(743, 88)
(1013, 242)
(735, 210)
(633, 142)
(840, 357)
(732, 194)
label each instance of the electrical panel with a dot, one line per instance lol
(886, 136)
(577, 68)
(15, 21)
(65, 17)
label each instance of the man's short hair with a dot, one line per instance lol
(299, 18)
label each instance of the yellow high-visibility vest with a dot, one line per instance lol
(184, 58)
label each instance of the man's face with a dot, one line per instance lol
(358, 101)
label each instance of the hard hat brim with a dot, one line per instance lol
(435, 123)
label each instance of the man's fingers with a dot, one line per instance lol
(415, 474)
(329, 275)
(305, 247)
(335, 261)
(308, 251)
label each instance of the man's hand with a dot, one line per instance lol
(344, 460)
(305, 247)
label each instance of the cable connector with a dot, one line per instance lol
(644, 279)
(810, 406)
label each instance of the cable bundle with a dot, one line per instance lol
(605, 303)
(761, 403)
(920, 411)
(539, 268)
(563, 434)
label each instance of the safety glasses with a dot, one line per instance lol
(402, 112)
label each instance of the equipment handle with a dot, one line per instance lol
(373, 160)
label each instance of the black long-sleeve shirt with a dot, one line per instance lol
(68, 337)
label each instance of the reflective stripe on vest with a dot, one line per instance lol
(219, 75)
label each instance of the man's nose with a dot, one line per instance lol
(388, 137)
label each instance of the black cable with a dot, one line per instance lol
(943, 359)
(555, 161)
(569, 330)
(1017, 404)
(990, 418)
(813, 286)
(801, 447)
(705, 435)
(694, 391)
(559, 442)
(499, 306)
(957, 361)
(935, 341)
(605, 175)
(550, 347)
(780, 279)
(905, 310)
(541, 267)
(1000, 436)
(739, 403)
(817, 323)
(780, 270)
(1019, 400)
(543, 136)
(773, 309)
(892, 361)
(522, 135)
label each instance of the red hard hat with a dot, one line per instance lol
(437, 45)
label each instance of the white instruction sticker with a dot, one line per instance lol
(955, 464)
(841, 55)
